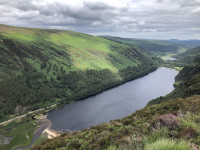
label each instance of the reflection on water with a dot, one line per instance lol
(115, 103)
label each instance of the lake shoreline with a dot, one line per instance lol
(49, 132)
(87, 96)
(43, 128)
(148, 76)
(106, 89)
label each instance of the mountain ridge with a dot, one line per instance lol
(55, 66)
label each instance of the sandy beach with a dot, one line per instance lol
(46, 125)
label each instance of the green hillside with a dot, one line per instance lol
(70, 50)
(40, 67)
(190, 55)
(170, 125)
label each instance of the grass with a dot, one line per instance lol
(10, 125)
(167, 144)
(22, 135)
(120, 148)
(156, 135)
(91, 52)
(40, 140)
(21, 37)
(70, 50)
(191, 121)
(79, 41)
(159, 140)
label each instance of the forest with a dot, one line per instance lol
(37, 72)
(35, 90)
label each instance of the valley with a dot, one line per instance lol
(99, 75)
(99, 78)
(55, 67)
(170, 122)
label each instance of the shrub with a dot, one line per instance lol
(74, 144)
(188, 133)
(189, 121)
(170, 121)
(124, 147)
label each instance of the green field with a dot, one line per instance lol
(22, 134)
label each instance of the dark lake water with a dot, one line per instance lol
(114, 103)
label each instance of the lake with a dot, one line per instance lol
(114, 103)
(169, 58)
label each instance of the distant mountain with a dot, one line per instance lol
(189, 44)
(161, 46)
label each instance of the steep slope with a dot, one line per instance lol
(171, 125)
(70, 50)
(171, 122)
(43, 67)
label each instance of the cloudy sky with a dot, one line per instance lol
(157, 19)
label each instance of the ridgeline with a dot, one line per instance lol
(45, 67)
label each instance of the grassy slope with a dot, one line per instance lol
(139, 130)
(70, 50)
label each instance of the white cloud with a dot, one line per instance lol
(135, 18)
